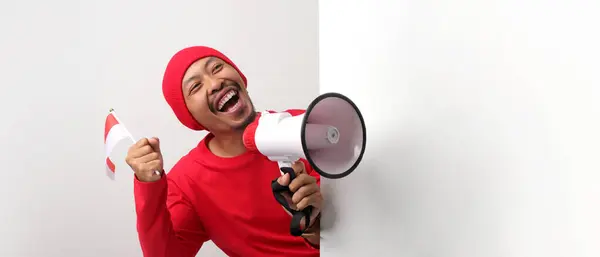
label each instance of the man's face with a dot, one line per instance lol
(215, 95)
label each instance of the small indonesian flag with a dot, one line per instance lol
(114, 132)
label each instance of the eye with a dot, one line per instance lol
(218, 67)
(195, 86)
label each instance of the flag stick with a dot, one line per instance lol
(127, 130)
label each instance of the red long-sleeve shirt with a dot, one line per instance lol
(226, 200)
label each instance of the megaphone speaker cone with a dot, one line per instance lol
(333, 135)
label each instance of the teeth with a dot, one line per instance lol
(226, 98)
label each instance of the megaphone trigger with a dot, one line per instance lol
(283, 195)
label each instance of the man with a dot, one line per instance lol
(218, 191)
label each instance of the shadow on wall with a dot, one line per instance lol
(399, 185)
(368, 183)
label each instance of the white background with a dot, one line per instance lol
(482, 117)
(483, 122)
(64, 64)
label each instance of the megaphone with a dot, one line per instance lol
(330, 135)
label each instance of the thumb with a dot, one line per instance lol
(284, 180)
(155, 143)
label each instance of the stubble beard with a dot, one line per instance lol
(249, 119)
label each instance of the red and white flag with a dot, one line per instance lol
(114, 132)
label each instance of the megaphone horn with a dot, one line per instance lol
(330, 135)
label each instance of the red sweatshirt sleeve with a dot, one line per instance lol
(166, 222)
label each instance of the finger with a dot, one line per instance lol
(284, 180)
(135, 147)
(155, 143)
(143, 150)
(150, 167)
(313, 199)
(298, 167)
(141, 142)
(303, 192)
(149, 157)
(300, 181)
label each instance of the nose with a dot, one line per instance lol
(215, 85)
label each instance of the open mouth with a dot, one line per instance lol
(229, 102)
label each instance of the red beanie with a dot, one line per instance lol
(173, 78)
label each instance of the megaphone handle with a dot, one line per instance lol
(278, 191)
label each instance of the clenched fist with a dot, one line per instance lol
(304, 191)
(145, 159)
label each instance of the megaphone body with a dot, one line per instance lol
(330, 135)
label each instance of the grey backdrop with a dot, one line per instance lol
(65, 63)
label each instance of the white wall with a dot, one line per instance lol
(483, 122)
(65, 63)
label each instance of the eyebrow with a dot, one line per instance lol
(192, 78)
